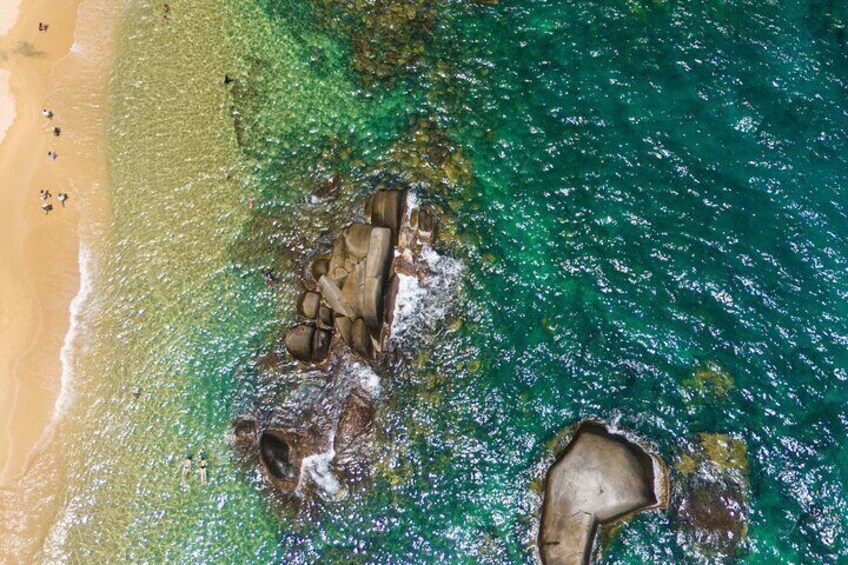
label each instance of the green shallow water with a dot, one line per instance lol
(637, 189)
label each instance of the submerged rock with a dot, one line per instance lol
(710, 503)
(601, 477)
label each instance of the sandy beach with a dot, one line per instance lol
(65, 69)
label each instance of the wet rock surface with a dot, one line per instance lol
(710, 503)
(600, 478)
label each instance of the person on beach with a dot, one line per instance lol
(46, 208)
(51, 155)
(57, 132)
(62, 197)
(42, 26)
(202, 469)
(45, 195)
(186, 468)
(47, 113)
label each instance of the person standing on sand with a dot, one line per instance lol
(47, 113)
(202, 469)
(57, 132)
(62, 197)
(186, 468)
(45, 195)
(46, 208)
(51, 155)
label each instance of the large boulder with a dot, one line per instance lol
(358, 239)
(334, 297)
(321, 345)
(600, 478)
(386, 210)
(299, 342)
(309, 304)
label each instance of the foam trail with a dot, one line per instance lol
(77, 309)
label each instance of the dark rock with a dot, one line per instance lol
(361, 339)
(390, 298)
(372, 305)
(299, 342)
(710, 502)
(357, 420)
(280, 459)
(309, 304)
(320, 267)
(387, 210)
(325, 318)
(320, 345)
(713, 514)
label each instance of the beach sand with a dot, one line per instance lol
(65, 69)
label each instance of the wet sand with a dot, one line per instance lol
(64, 69)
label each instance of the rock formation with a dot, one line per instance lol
(601, 477)
(351, 288)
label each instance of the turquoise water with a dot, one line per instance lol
(635, 189)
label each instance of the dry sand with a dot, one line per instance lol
(39, 268)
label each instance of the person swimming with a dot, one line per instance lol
(186, 468)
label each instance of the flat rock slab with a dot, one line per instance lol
(600, 477)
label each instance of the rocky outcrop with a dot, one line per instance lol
(322, 434)
(601, 478)
(351, 286)
(324, 438)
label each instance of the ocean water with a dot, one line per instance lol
(628, 191)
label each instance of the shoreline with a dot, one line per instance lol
(42, 290)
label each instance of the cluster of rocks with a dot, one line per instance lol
(350, 290)
(601, 478)
(333, 434)
(324, 429)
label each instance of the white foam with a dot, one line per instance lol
(70, 345)
(317, 468)
(423, 302)
(7, 104)
(367, 379)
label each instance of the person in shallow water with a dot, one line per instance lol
(202, 469)
(270, 277)
(186, 468)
